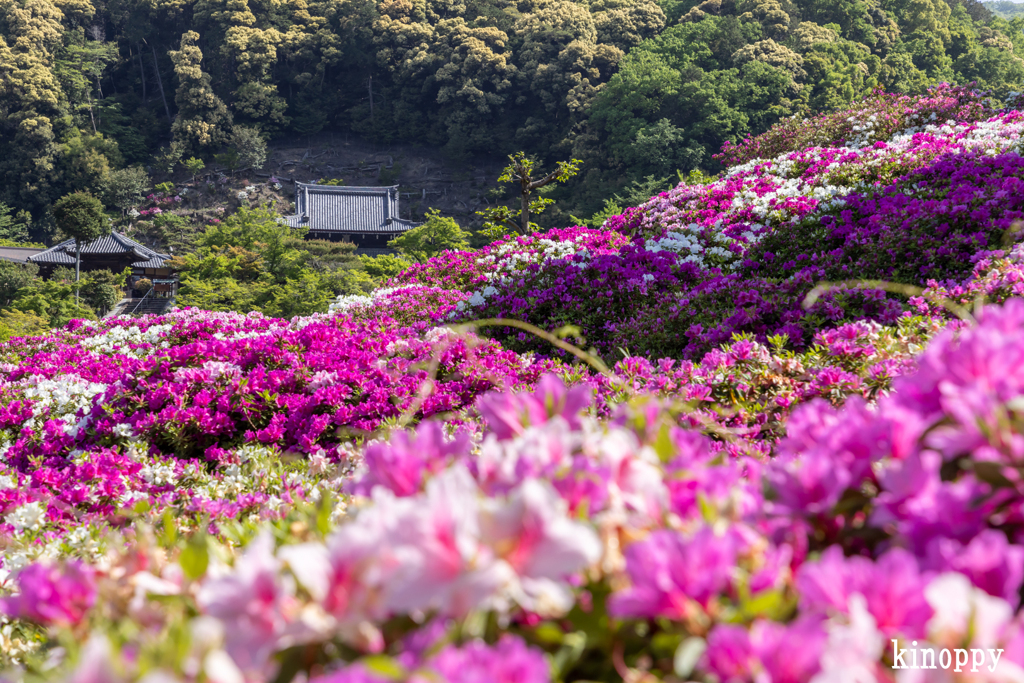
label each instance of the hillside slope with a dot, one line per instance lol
(910, 190)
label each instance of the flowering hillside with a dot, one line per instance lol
(899, 189)
(768, 482)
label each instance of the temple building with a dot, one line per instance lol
(113, 252)
(366, 216)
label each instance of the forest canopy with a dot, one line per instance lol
(1007, 9)
(633, 88)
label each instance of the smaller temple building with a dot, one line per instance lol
(113, 252)
(366, 216)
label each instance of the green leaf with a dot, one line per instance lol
(323, 513)
(383, 665)
(707, 509)
(548, 633)
(665, 643)
(663, 445)
(771, 604)
(575, 644)
(195, 558)
(474, 624)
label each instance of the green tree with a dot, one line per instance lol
(194, 166)
(521, 171)
(125, 188)
(383, 267)
(326, 257)
(253, 261)
(302, 294)
(31, 104)
(1007, 9)
(102, 289)
(80, 216)
(14, 277)
(437, 234)
(223, 294)
(80, 67)
(259, 230)
(52, 299)
(14, 323)
(203, 120)
(85, 161)
(626, 24)
(250, 147)
(661, 149)
(12, 228)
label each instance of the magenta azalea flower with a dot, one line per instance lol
(509, 661)
(669, 571)
(51, 594)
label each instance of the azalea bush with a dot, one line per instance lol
(209, 415)
(876, 118)
(555, 546)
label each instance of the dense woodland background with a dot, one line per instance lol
(637, 89)
(1006, 9)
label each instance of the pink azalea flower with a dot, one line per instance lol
(252, 602)
(669, 570)
(508, 414)
(402, 463)
(988, 560)
(347, 574)
(765, 652)
(893, 588)
(441, 561)
(544, 547)
(509, 661)
(51, 594)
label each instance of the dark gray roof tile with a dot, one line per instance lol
(329, 208)
(113, 244)
(157, 261)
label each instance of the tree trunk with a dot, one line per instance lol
(99, 89)
(160, 82)
(142, 72)
(92, 117)
(524, 215)
(78, 266)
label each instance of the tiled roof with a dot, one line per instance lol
(114, 244)
(19, 254)
(329, 208)
(156, 262)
